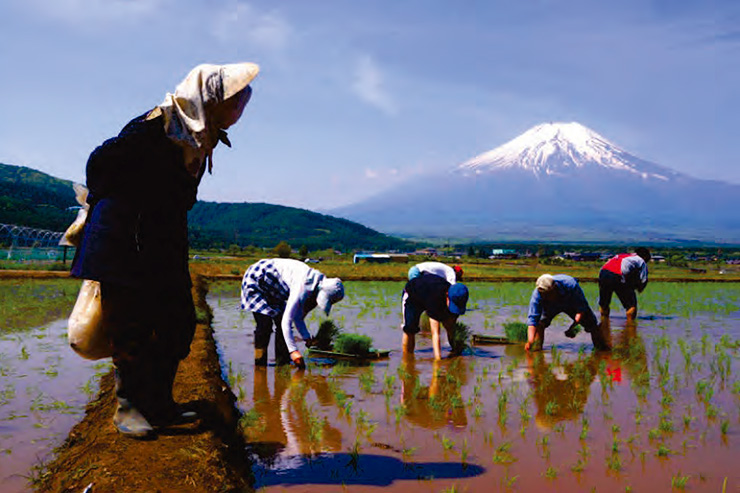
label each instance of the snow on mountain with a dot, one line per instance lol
(556, 182)
(558, 148)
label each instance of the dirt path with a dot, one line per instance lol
(199, 457)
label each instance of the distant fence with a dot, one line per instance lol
(25, 243)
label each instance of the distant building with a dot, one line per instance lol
(503, 253)
(430, 252)
(378, 258)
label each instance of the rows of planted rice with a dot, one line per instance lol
(44, 385)
(661, 411)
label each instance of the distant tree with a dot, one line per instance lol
(233, 249)
(282, 250)
(471, 251)
(303, 251)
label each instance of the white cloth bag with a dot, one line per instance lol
(86, 333)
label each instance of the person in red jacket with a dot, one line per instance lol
(623, 274)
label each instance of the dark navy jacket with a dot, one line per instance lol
(136, 232)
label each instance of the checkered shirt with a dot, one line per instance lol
(263, 290)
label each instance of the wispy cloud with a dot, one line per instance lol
(368, 84)
(240, 21)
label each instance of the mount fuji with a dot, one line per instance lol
(556, 182)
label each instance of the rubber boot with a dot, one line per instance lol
(128, 420)
(165, 411)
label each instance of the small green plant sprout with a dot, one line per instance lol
(502, 454)
(448, 443)
(663, 451)
(551, 472)
(551, 408)
(354, 456)
(516, 331)
(678, 482)
(325, 336)
(367, 379)
(724, 426)
(614, 463)
(579, 466)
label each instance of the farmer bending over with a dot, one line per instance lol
(442, 301)
(623, 274)
(283, 291)
(451, 274)
(557, 294)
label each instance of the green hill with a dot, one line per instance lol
(35, 199)
(266, 225)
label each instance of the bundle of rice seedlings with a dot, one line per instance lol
(356, 344)
(516, 331)
(460, 338)
(327, 333)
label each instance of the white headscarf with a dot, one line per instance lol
(186, 118)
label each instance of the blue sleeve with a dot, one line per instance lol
(535, 308)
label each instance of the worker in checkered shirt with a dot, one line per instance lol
(282, 292)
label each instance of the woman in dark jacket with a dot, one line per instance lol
(141, 185)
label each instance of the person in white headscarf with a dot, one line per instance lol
(135, 241)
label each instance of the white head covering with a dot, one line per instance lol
(186, 120)
(545, 283)
(331, 290)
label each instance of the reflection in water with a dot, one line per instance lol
(405, 420)
(288, 426)
(560, 389)
(440, 403)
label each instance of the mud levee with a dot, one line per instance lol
(200, 457)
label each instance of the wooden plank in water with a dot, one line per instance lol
(488, 339)
(374, 354)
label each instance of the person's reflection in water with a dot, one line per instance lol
(288, 426)
(560, 392)
(307, 426)
(439, 404)
(630, 352)
(269, 433)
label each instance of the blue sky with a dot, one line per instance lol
(356, 96)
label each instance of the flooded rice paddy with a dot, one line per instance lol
(44, 385)
(661, 412)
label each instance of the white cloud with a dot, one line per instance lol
(369, 85)
(371, 173)
(240, 21)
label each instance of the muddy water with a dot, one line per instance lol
(661, 411)
(44, 387)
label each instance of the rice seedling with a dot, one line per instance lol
(679, 482)
(516, 331)
(502, 454)
(551, 472)
(614, 463)
(663, 451)
(551, 408)
(325, 336)
(356, 344)
(724, 426)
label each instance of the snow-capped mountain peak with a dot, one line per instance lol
(558, 148)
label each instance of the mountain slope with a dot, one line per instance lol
(266, 225)
(34, 199)
(31, 198)
(558, 182)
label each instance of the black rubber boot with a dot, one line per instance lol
(128, 420)
(165, 411)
